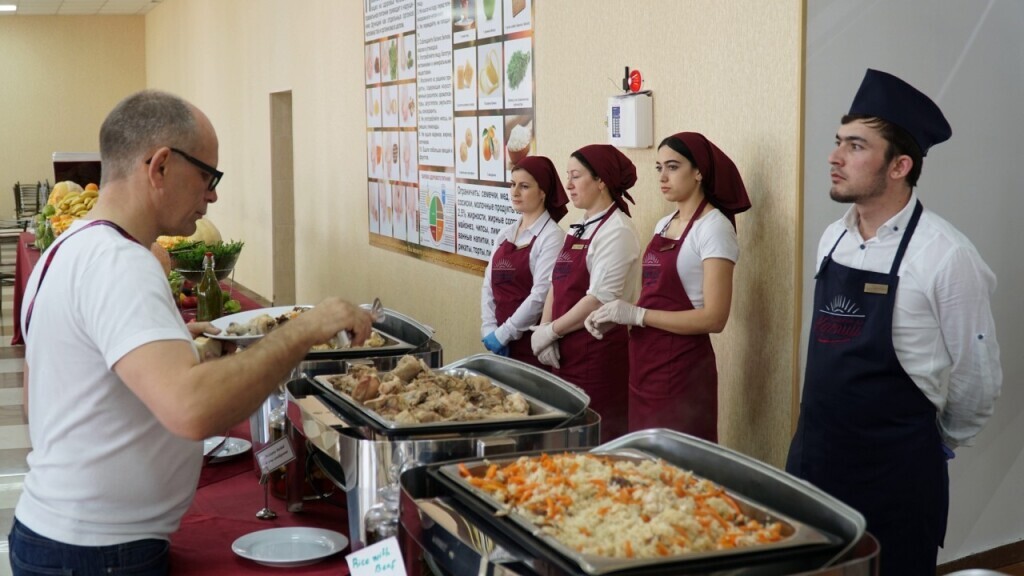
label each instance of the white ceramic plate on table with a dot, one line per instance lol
(289, 547)
(243, 318)
(232, 447)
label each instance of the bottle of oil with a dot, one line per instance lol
(209, 298)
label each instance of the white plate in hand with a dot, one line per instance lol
(296, 546)
(232, 447)
(243, 318)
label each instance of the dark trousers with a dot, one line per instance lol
(33, 554)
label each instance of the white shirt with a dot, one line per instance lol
(613, 259)
(542, 262)
(943, 331)
(103, 470)
(712, 236)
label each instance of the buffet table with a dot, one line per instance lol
(224, 509)
(28, 255)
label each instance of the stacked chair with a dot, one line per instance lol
(29, 199)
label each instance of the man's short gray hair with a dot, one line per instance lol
(141, 123)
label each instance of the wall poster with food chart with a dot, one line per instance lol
(450, 98)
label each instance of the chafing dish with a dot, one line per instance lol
(794, 533)
(405, 336)
(551, 400)
(269, 422)
(362, 456)
(456, 534)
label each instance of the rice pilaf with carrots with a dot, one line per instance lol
(620, 508)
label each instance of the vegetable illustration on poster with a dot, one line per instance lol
(450, 93)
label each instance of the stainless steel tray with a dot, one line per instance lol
(795, 534)
(393, 345)
(541, 413)
(402, 333)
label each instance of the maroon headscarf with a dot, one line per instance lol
(543, 171)
(613, 168)
(722, 182)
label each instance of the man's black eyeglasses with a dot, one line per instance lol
(215, 175)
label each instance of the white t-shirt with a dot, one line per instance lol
(103, 470)
(712, 236)
(542, 260)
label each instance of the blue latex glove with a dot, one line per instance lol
(492, 343)
(948, 452)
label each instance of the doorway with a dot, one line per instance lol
(282, 192)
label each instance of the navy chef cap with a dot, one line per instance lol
(885, 96)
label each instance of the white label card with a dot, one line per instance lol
(275, 455)
(382, 559)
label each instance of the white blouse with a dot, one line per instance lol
(542, 262)
(613, 259)
(943, 330)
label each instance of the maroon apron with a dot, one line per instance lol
(599, 367)
(673, 378)
(511, 284)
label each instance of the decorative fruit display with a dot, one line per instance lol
(205, 232)
(67, 202)
(62, 189)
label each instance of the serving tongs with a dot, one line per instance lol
(376, 314)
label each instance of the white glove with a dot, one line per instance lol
(618, 312)
(550, 356)
(595, 328)
(543, 336)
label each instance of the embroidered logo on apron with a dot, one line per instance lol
(651, 269)
(840, 321)
(563, 265)
(503, 272)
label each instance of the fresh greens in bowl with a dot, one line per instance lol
(187, 255)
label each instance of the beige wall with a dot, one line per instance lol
(59, 76)
(731, 70)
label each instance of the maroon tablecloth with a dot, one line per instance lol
(26, 259)
(224, 509)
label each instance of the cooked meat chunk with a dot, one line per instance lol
(423, 415)
(387, 405)
(391, 385)
(367, 388)
(407, 369)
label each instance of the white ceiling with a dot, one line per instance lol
(79, 7)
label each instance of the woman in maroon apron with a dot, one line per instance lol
(596, 264)
(686, 291)
(518, 275)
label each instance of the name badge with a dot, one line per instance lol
(870, 288)
(578, 246)
(667, 247)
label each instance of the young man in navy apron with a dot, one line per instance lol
(902, 363)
